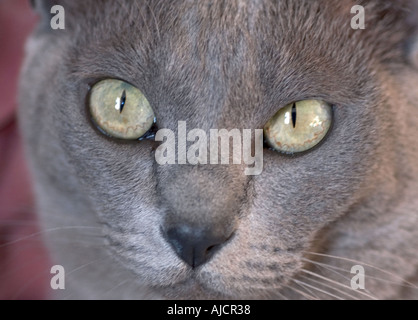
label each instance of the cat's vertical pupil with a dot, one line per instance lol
(122, 101)
(294, 115)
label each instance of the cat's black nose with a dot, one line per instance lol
(193, 245)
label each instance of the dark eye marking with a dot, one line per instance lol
(294, 115)
(122, 101)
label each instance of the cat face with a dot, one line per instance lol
(210, 231)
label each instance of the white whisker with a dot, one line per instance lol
(318, 289)
(82, 267)
(332, 288)
(333, 269)
(336, 283)
(307, 289)
(364, 264)
(45, 231)
(115, 287)
(303, 294)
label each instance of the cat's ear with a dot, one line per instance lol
(43, 9)
(404, 14)
(412, 48)
(395, 25)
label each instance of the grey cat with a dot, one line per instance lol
(123, 226)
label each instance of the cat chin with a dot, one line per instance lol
(190, 290)
(183, 283)
(196, 288)
(193, 290)
(174, 279)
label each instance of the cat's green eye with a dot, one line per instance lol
(299, 126)
(120, 110)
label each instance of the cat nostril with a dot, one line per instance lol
(208, 250)
(194, 246)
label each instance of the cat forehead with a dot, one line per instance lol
(198, 48)
(300, 10)
(197, 37)
(281, 22)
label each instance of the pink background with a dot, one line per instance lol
(24, 265)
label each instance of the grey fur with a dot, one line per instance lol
(228, 64)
